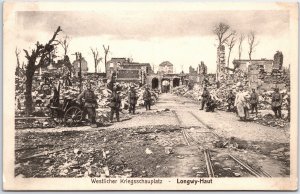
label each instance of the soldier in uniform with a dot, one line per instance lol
(230, 101)
(210, 104)
(115, 103)
(132, 99)
(55, 98)
(147, 98)
(90, 103)
(205, 96)
(276, 103)
(253, 101)
(111, 84)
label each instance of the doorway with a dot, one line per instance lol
(165, 85)
(176, 82)
(154, 83)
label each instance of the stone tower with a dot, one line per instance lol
(221, 64)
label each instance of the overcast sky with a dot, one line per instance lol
(182, 37)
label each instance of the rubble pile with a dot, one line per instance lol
(34, 123)
(270, 120)
(42, 94)
(220, 95)
(101, 153)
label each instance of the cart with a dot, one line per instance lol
(70, 112)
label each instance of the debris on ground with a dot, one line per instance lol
(220, 96)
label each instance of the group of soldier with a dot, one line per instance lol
(241, 103)
(90, 101)
(207, 101)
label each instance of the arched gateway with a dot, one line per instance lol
(165, 85)
(155, 83)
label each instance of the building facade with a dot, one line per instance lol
(243, 64)
(166, 79)
(128, 71)
(84, 67)
(165, 68)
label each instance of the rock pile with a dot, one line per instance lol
(220, 95)
(42, 94)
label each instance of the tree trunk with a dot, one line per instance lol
(228, 59)
(105, 63)
(28, 93)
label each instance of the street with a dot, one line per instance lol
(174, 139)
(154, 96)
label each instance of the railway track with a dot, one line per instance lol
(190, 140)
(207, 126)
(209, 165)
(254, 172)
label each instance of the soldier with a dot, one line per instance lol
(205, 96)
(111, 84)
(66, 78)
(90, 103)
(55, 98)
(241, 104)
(132, 99)
(253, 101)
(210, 105)
(147, 98)
(276, 103)
(230, 101)
(115, 103)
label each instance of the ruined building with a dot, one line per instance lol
(165, 67)
(192, 71)
(76, 66)
(261, 73)
(198, 75)
(278, 60)
(202, 68)
(221, 64)
(128, 71)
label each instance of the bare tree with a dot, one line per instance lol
(96, 57)
(241, 39)
(39, 57)
(230, 43)
(106, 50)
(65, 42)
(222, 32)
(17, 53)
(252, 43)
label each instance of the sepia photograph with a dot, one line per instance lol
(150, 96)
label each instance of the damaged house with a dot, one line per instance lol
(128, 71)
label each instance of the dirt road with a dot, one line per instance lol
(175, 138)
